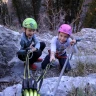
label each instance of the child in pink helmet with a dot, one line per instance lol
(58, 45)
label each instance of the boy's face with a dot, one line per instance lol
(62, 37)
(29, 32)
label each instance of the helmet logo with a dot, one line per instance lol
(31, 25)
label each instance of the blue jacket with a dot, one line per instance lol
(25, 42)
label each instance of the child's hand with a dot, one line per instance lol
(73, 42)
(33, 49)
(52, 57)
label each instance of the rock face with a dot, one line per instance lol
(8, 48)
(9, 45)
(66, 86)
(87, 45)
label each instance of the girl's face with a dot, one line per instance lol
(29, 32)
(63, 37)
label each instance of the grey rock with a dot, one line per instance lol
(66, 85)
(9, 41)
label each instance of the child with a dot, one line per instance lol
(27, 39)
(58, 45)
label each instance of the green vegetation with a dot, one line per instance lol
(89, 90)
(90, 20)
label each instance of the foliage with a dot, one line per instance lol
(89, 90)
(83, 69)
(4, 15)
(91, 16)
(52, 13)
(59, 12)
(26, 8)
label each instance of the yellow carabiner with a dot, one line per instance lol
(31, 92)
(26, 93)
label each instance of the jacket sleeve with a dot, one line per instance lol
(36, 42)
(22, 51)
(22, 44)
(53, 44)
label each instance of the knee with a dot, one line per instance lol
(37, 53)
(22, 57)
(42, 45)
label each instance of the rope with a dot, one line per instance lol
(40, 78)
(27, 73)
(26, 69)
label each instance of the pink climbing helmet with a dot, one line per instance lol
(65, 28)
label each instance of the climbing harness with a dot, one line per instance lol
(29, 84)
(57, 56)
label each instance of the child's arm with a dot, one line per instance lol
(37, 43)
(22, 44)
(23, 47)
(53, 48)
(73, 40)
(52, 56)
